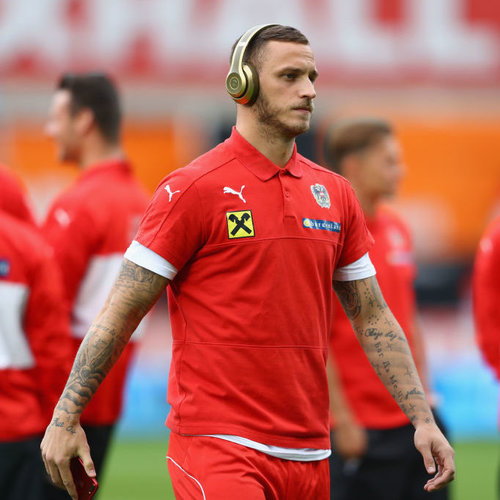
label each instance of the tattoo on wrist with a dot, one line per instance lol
(57, 423)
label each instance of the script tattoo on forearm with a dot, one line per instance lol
(385, 344)
(134, 292)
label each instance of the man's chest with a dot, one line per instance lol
(244, 207)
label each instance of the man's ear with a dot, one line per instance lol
(85, 121)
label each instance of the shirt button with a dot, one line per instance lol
(287, 194)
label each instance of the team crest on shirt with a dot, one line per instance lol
(240, 224)
(4, 268)
(321, 195)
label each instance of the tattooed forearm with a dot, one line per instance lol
(385, 345)
(349, 297)
(135, 290)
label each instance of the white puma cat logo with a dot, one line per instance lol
(228, 190)
(170, 194)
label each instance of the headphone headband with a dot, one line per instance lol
(241, 81)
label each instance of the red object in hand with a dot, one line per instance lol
(86, 486)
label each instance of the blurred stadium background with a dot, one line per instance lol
(431, 66)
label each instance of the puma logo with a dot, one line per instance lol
(228, 190)
(170, 193)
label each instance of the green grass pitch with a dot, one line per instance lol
(138, 470)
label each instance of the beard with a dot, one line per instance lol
(268, 116)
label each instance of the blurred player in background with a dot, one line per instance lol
(249, 237)
(13, 199)
(91, 224)
(486, 296)
(372, 438)
(34, 352)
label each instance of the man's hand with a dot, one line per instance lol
(349, 440)
(64, 440)
(435, 449)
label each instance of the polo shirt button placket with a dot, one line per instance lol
(287, 198)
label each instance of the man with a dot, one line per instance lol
(248, 236)
(34, 354)
(372, 437)
(92, 223)
(13, 199)
(486, 296)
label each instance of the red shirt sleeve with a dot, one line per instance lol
(172, 226)
(48, 331)
(358, 239)
(486, 295)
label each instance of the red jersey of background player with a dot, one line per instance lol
(392, 257)
(486, 295)
(89, 227)
(12, 196)
(34, 331)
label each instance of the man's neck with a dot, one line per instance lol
(369, 204)
(101, 154)
(276, 149)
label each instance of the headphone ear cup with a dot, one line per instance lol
(236, 85)
(252, 85)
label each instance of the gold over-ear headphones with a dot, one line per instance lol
(242, 81)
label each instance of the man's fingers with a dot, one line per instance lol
(67, 479)
(445, 474)
(429, 464)
(54, 475)
(88, 464)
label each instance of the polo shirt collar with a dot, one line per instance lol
(115, 164)
(257, 163)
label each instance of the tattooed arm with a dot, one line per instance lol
(134, 292)
(387, 349)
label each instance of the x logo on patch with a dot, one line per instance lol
(240, 224)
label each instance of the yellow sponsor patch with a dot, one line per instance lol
(240, 224)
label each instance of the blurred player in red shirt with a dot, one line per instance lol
(34, 354)
(486, 295)
(372, 437)
(13, 198)
(248, 239)
(91, 224)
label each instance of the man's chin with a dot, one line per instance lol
(300, 128)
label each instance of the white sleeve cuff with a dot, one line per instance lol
(358, 270)
(144, 257)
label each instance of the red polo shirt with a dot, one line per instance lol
(35, 341)
(392, 257)
(89, 226)
(486, 295)
(256, 247)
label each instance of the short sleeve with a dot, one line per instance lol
(172, 226)
(358, 239)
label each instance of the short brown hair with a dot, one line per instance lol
(352, 136)
(97, 92)
(275, 32)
